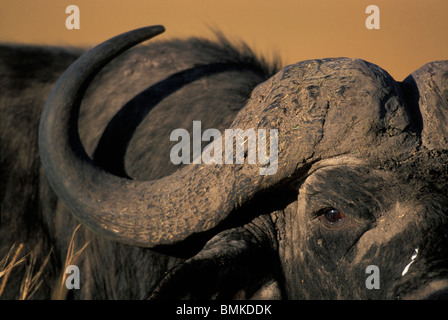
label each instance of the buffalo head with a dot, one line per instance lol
(361, 181)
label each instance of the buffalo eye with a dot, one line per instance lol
(332, 215)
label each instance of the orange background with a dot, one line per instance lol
(413, 32)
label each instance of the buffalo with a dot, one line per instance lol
(357, 208)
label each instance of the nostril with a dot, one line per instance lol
(435, 290)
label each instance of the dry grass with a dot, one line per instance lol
(60, 292)
(7, 264)
(33, 279)
(34, 275)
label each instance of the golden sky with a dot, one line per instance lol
(412, 32)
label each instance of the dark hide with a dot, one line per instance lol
(390, 183)
(298, 254)
(174, 82)
(351, 138)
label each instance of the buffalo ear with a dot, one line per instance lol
(232, 265)
(430, 90)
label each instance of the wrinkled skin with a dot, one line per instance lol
(383, 224)
(351, 140)
(314, 258)
(393, 200)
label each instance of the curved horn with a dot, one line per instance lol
(430, 85)
(140, 213)
(342, 98)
